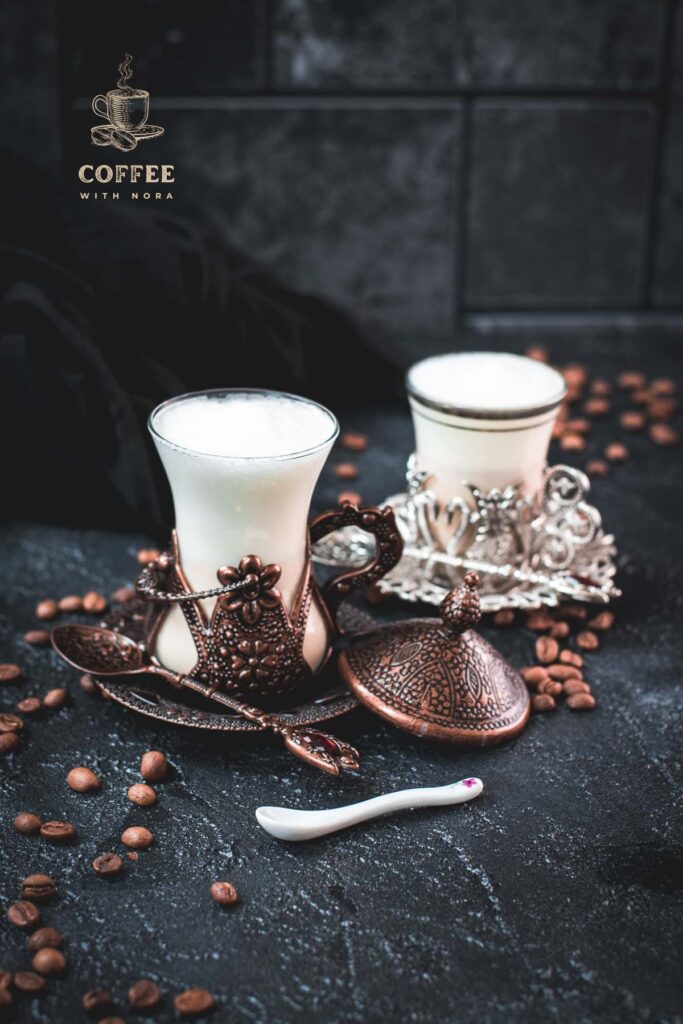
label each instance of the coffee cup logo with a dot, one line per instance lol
(126, 111)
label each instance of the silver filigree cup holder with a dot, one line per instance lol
(528, 551)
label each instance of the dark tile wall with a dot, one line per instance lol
(422, 162)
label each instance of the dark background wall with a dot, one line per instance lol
(445, 169)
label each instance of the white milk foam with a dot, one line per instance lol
(486, 381)
(244, 425)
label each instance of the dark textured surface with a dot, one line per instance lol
(556, 896)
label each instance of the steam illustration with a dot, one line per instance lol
(125, 73)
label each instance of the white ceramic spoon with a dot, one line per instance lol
(287, 823)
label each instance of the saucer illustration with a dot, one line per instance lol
(125, 111)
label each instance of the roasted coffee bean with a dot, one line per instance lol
(94, 603)
(571, 658)
(193, 1001)
(38, 887)
(641, 396)
(551, 686)
(662, 433)
(616, 452)
(83, 780)
(29, 705)
(8, 673)
(96, 1001)
(572, 611)
(123, 595)
(543, 702)
(581, 701)
(572, 442)
(575, 686)
(602, 621)
(224, 893)
(153, 766)
(596, 407)
(587, 641)
(144, 994)
(539, 622)
(58, 831)
(534, 674)
(108, 864)
(578, 425)
(141, 795)
(47, 610)
(44, 937)
(71, 603)
(597, 468)
(37, 637)
(352, 497)
(137, 838)
(9, 741)
(354, 442)
(632, 420)
(575, 374)
(345, 471)
(601, 387)
(27, 981)
(505, 617)
(663, 386)
(55, 699)
(661, 408)
(147, 555)
(10, 723)
(5, 979)
(49, 961)
(547, 650)
(23, 914)
(88, 684)
(562, 672)
(132, 855)
(629, 379)
(537, 352)
(28, 824)
(560, 630)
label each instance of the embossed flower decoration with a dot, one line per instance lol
(256, 660)
(256, 587)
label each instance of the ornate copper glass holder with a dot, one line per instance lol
(528, 552)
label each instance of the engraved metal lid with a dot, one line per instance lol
(438, 678)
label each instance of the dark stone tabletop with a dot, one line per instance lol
(556, 896)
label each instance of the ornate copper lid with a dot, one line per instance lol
(437, 677)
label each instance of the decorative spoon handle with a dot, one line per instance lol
(287, 823)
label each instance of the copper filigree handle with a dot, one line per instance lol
(380, 522)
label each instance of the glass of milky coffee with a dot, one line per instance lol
(483, 418)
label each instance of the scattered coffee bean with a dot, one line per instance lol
(539, 622)
(123, 595)
(10, 723)
(662, 433)
(5, 979)
(661, 408)
(38, 887)
(71, 603)
(224, 893)
(629, 379)
(597, 468)
(96, 1001)
(153, 766)
(94, 603)
(632, 420)
(596, 407)
(29, 705)
(543, 702)
(581, 701)
(37, 637)
(27, 981)
(551, 686)
(147, 555)
(132, 855)
(56, 698)
(9, 741)
(350, 496)
(547, 650)
(575, 686)
(572, 442)
(8, 673)
(560, 630)
(616, 452)
(641, 396)
(49, 961)
(575, 375)
(346, 471)
(562, 672)
(538, 353)
(28, 824)
(144, 994)
(354, 442)
(88, 684)
(108, 864)
(587, 641)
(141, 795)
(599, 386)
(83, 780)
(663, 386)
(572, 611)
(534, 674)
(603, 621)
(193, 1001)
(58, 831)
(578, 425)
(137, 838)
(505, 617)
(44, 937)
(23, 914)
(571, 658)
(47, 610)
